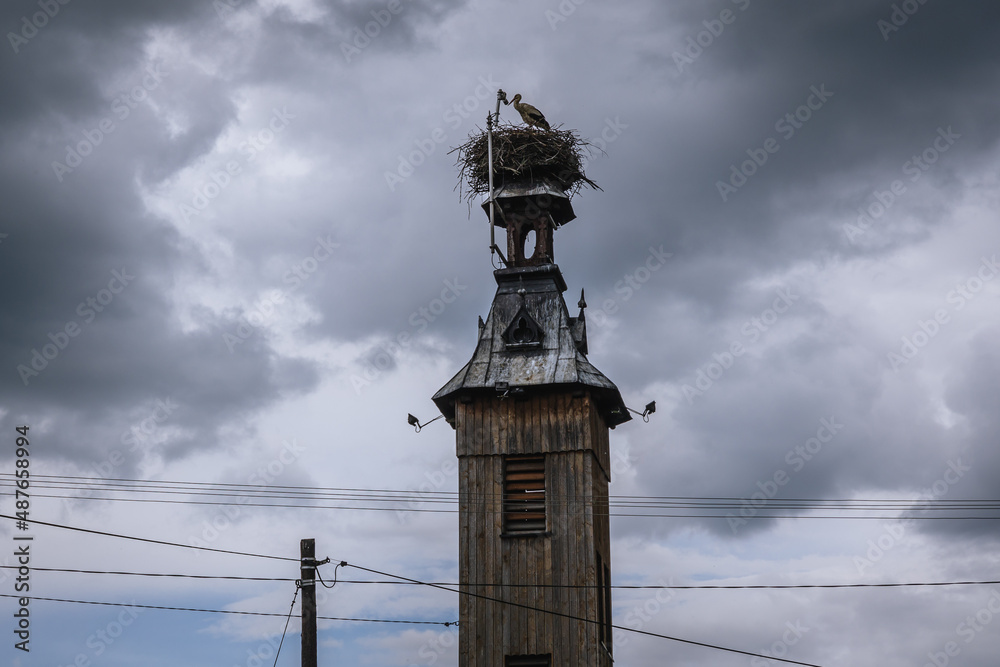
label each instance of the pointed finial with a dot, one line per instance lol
(583, 302)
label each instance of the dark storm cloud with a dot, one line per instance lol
(70, 229)
(88, 328)
(971, 393)
(89, 335)
(922, 89)
(887, 101)
(58, 69)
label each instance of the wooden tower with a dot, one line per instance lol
(531, 417)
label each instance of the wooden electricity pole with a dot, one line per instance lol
(307, 552)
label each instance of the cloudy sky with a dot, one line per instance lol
(232, 252)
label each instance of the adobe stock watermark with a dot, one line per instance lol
(220, 179)
(30, 25)
(611, 131)
(566, 8)
(792, 635)
(434, 481)
(453, 117)
(898, 17)
(639, 616)
(436, 646)
(121, 108)
(263, 311)
(133, 438)
(971, 627)
(613, 128)
(225, 8)
(419, 320)
(926, 330)
(893, 533)
(103, 638)
(263, 655)
(913, 168)
(88, 310)
(630, 284)
(362, 39)
(264, 475)
(796, 458)
(696, 44)
(138, 433)
(787, 125)
(754, 328)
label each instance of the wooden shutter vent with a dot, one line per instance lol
(524, 494)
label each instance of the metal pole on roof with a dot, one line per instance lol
(501, 96)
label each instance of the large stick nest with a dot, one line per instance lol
(521, 153)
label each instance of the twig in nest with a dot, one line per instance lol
(521, 153)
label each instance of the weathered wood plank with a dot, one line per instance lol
(506, 616)
(559, 542)
(494, 612)
(571, 434)
(495, 423)
(538, 439)
(512, 425)
(579, 555)
(463, 554)
(589, 555)
(547, 601)
(481, 544)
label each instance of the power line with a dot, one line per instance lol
(451, 499)
(388, 495)
(445, 583)
(288, 618)
(575, 618)
(243, 504)
(229, 611)
(152, 574)
(146, 539)
(383, 574)
(782, 586)
(376, 572)
(762, 512)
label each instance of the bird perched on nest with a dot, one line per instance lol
(529, 114)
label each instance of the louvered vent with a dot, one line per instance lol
(524, 494)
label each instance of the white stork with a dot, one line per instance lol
(529, 114)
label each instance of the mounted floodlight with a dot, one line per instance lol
(415, 423)
(648, 410)
(506, 391)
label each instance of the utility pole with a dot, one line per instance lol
(307, 552)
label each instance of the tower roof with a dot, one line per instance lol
(529, 342)
(518, 199)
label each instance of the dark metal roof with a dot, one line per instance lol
(529, 341)
(532, 198)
